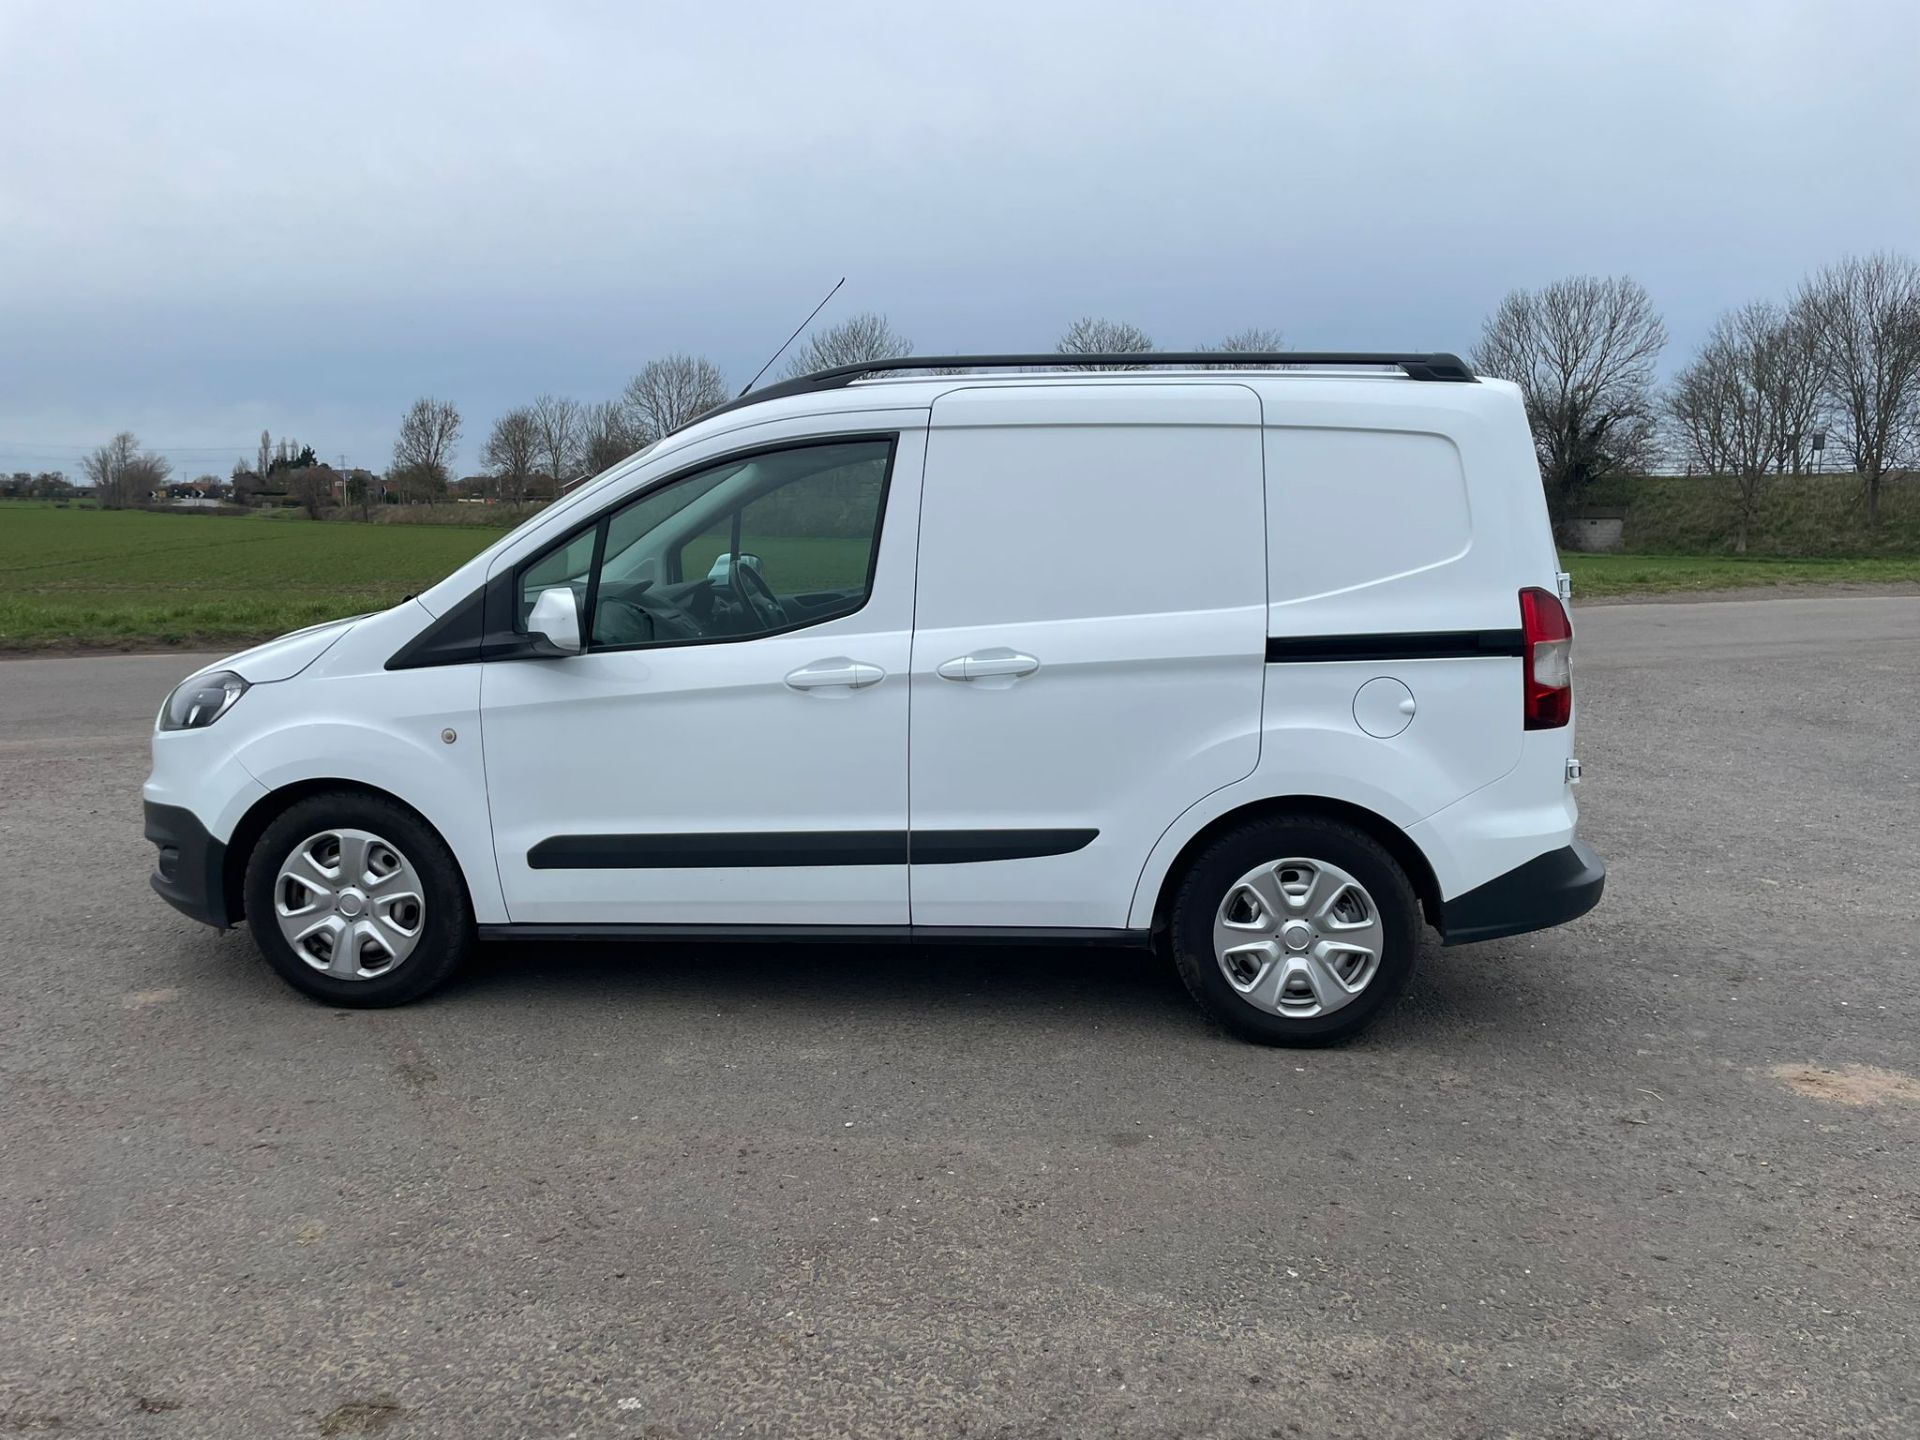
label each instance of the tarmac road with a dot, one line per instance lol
(1573, 1187)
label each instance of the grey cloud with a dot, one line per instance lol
(220, 216)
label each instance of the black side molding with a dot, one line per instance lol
(702, 852)
(965, 847)
(1549, 889)
(786, 848)
(1399, 645)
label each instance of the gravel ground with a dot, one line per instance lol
(1657, 1173)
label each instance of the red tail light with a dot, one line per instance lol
(1547, 658)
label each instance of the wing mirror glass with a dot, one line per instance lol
(722, 571)
(556, 619)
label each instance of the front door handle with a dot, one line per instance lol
(982, 663)
(839, 671)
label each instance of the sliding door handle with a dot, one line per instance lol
(982, 663)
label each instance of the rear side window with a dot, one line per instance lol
(1347, 508)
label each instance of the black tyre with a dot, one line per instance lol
(1295, 930)
(356, 901)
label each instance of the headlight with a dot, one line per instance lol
(197, 703)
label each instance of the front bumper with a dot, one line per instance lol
(191, 872)
(1549, 889)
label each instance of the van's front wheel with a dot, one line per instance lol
(1295, 931)
(356, 901)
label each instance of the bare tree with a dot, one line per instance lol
(1090, 335)
(671, 392)
(1582, 351)
(1253, 340)
(123, 474)
(558, 433)
(106, 470)
(866, 336)
(423, 453)
(312, 486)
(263, 457)
(1866, 313)
(1745, 404)
(608, 436)
(148, 475)
(512, 452)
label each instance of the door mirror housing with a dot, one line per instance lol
(721, 572)
(555, 618)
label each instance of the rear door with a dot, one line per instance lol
(1089, 640)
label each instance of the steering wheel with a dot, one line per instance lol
(633, 616)
(757, 596)
(622, 622)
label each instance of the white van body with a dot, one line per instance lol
(1105, 618)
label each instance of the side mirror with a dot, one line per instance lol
(721, 572)
(556, 619)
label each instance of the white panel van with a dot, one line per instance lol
(1265, 666)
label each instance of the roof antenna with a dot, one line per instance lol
(791, 338)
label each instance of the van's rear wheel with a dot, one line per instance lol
(355, 901)
(1295, 931)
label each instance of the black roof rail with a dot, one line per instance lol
(1437, 365)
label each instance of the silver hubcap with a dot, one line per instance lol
(1298, 938)
(350, 904)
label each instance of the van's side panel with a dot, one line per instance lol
(1117, 537)
(1391, 524)
(1406, 555)
(1403, 518)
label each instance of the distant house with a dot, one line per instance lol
(349, 484)
(194, 493)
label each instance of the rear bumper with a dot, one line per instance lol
(190, 873)
(1549, 889)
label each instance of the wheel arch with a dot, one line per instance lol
(1406, 853)
(275, 803)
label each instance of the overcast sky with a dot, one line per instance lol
(215, 218)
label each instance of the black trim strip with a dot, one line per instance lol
(1401, 645)
(190, 873)
(965, 847)
(704, 852)
(833, 934)
(1549, 889)
(786, 848)
(458, 637)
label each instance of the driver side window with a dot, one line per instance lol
(751, 546)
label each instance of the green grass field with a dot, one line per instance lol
(1601, 575)
(110, 578)
(107, 577)
(91, 578)
(1800, 517)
